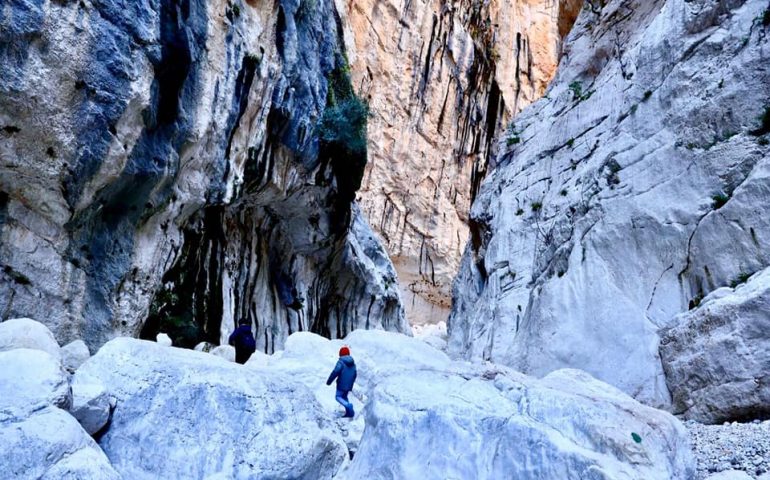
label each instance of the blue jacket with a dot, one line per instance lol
(345, 373)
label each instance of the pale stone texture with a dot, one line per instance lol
(422, 407)
(226, 352)
(639, 185)
(186, 414)
(29, 381)
(442, 79)
(91, 405)
(27, 333)
(74, 354)
(38, 439)
(153, 165)
(717, 356)
(50, 445)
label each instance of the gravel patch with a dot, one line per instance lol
(731, 446)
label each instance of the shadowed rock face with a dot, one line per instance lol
(639, 185)
(168, 150)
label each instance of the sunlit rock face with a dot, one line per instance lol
(443, 79)
(161, 159)
(638, 185)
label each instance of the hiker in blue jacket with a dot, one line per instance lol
(243, 341)
(345, 373)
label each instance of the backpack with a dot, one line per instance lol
(246, 342)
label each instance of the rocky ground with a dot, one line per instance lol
(731, 446)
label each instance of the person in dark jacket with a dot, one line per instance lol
(243, 341)
(345, 373)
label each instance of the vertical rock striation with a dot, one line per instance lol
(442, 79)
(638, 186)
(161, 158)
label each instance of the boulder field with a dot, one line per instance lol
(165, 412)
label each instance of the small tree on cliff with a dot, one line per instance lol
(343, 137)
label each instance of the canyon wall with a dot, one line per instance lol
(442, 79)
(633, 189)
(182, 162)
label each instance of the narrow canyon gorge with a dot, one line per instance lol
(443, 80)
(534, 233)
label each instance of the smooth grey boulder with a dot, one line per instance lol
(226, 352)
(28, 333)
(74, 354)
(29, 381)
(38, 439)
(91, 405)
(50, 445)
(491, 423)
(186, 414)
(717, 356)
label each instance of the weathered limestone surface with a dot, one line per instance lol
(442, 79)
(226, 421)
(161, 159)
(38, 439)
(421, 415)
(27, 333)
(717, 356)
(638, 185)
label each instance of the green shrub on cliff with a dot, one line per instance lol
(344, 124)
(344, 121)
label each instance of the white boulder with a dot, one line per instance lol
(496, 423)
(258, 359)
(50, 445)
(74, 354)
(163, 339)
(29, 381)
(422, 406)
(717, 356)
(27, 333)
(204, 347)
(310, 358)
(37, 439)
(91, 405)
(184, 414)
(224, 351)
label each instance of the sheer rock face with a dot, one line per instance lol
(639, 186)
(442, 79)
(173, 143)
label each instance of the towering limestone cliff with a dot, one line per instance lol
(638, 186)
(188, 161)
(443, 78)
